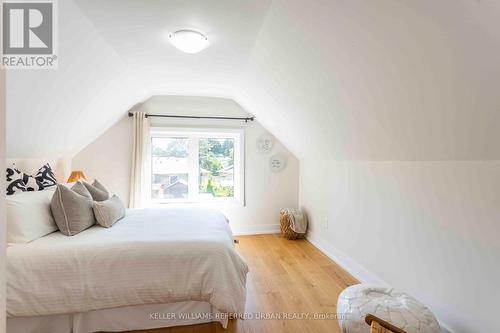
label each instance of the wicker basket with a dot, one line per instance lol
(285, 226)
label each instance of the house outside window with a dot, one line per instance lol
(196, 165)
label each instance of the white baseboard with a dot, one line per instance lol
(258, 229)
(351, 266)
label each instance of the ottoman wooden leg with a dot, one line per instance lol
(380, 326)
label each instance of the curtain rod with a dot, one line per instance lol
(246, 119)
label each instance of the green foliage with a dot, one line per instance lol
(224, 192)
(176, 147)
(213, 152)
(216, 189)
(212, 164)
(217, 147)
(210, 185)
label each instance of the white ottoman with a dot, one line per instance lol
(393, 306)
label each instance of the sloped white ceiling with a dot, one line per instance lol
(113, 55)
(410, 80)
(52, 113)
(350, 79)
(138, 31)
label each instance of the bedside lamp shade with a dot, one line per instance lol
(76, 175)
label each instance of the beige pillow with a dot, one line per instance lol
(72, 209)
(97, 191)
(109, 212)
(97, 184)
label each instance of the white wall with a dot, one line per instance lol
(3, 240)
(393, 80)
(108, 159)
(430, 228)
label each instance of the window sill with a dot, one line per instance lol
(201, 203)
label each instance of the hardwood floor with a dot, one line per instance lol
(285, 277)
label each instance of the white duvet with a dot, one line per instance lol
(151, 256)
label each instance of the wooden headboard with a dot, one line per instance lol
(60, 166)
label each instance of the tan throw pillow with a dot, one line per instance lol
(97, 184)
(72, 209)
(97, 191)
(109, 212)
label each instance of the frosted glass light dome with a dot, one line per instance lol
(189, 41)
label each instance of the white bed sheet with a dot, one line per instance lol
(138, 317)
(152, 256)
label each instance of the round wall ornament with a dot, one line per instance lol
(277, 162)
(265, 143)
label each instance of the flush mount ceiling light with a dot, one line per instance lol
(189, 41)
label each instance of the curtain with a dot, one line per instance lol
(139, 182)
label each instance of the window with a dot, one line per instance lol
(190, 165)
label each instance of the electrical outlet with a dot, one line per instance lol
(325, 223)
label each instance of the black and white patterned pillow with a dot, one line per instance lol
(31, 183)
(15, 181)
(46, 176)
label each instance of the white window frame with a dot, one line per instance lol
(238, 134)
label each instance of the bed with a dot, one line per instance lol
(154, 268)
